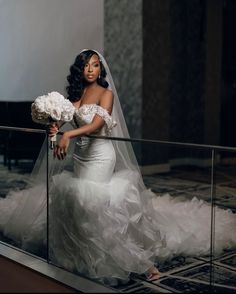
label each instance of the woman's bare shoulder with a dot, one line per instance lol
(106, 100)
(107, 94)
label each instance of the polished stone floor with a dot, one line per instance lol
(181, 274)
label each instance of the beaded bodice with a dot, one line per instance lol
(85, 114)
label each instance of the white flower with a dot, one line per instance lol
(52, 106)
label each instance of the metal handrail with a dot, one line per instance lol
(19, 129)
(134, 140)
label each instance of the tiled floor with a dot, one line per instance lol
(181, 274)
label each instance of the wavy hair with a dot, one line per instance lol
(76, 79)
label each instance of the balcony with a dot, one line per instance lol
(186, 170)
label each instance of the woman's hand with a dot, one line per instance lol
(61, 149)
(52, 129)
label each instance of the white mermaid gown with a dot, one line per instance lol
(101, 224)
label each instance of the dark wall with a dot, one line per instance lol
(228, 94)
(181, 78)
(17, 145)
(174, 74)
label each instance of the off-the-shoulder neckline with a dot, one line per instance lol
(89, 104)
(85, 104)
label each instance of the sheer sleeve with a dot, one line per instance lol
(103, 113)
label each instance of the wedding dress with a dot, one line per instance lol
(103, 221)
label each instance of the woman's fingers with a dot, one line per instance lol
(58, 152)
(55, 152)
(52, 130)
(61, 148)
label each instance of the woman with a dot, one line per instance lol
(103, 221)
(95, 161)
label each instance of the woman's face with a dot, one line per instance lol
(92, 69)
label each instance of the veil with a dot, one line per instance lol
(46, 167)
(125, 156)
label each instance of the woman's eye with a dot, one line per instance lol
(96, 65)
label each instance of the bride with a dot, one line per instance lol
(103, 221)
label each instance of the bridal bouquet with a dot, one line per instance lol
(52, 107)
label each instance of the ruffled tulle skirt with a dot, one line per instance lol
(112, 229)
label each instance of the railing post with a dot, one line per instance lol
(212, 242)
(47, 195)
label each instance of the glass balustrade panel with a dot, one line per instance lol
(23, 194)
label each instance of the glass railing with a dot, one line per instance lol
(191, 201)
(19, 202)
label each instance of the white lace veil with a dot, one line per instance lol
(125, 155)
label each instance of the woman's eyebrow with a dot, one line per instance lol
(94, 62)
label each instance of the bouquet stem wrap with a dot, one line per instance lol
(53, 141)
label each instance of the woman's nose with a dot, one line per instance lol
(90, 69)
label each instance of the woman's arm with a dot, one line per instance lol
(106, 102)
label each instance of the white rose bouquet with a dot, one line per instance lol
(52, 107)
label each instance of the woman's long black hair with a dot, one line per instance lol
(76, 79)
